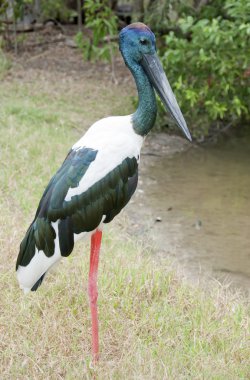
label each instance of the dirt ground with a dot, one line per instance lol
(53, 50)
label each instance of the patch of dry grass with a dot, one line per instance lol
(152, 325)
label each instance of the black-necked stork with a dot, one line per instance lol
(98, 176)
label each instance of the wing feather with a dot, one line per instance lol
(85, 210)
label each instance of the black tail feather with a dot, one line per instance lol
(38, 283)
(27, 248)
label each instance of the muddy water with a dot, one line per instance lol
(195, 204)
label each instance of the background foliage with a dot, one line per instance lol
(101, 20)
(203, 45)
(207, 60)
(204, 48)
(56, 9)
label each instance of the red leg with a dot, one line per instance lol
(96, 239)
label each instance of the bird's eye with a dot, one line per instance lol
(143, 41)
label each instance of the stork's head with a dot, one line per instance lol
(135, 41)
(137, 46)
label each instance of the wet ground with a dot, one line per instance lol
(195, 204)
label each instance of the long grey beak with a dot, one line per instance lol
(156, 75)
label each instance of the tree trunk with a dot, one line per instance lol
(79, 15)
(37, 10)
(14, 25)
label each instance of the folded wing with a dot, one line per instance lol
(60, 217)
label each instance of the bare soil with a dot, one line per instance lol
(53, 49)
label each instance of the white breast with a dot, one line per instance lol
(115, 139)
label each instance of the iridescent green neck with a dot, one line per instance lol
(144, 117)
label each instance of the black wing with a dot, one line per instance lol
(84, 212)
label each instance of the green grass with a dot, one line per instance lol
(5, 63)
(152, 324)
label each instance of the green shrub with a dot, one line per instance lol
(56, 9)
(102, 22)
(208, 67)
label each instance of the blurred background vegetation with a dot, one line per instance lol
(203, 44)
